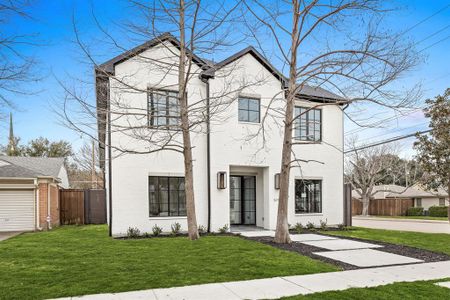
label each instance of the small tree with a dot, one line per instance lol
(370, 167)
(433, 150)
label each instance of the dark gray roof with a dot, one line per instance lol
(318, 92)
(30, 166)
(308, 91)
(108, 66)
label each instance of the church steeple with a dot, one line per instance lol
(12, 143)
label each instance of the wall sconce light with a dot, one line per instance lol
(277, 181)
(221, 180)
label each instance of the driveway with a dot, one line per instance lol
(428, 226)
(9, 234)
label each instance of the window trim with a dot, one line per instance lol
(151, 110)
(306, 141)
(248, 110)
(168, 198)
(320, 180)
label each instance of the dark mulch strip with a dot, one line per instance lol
(307, 250)
(303, 249)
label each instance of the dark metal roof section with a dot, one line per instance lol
(108, 66)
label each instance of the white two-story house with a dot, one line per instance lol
(235, 163)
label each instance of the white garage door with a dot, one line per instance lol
(16, 210)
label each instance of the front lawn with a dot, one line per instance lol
(396, 291)
(437, 242)
(81, 260)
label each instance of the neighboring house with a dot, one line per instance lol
(29, 192)
(237, 184)
(414, 196)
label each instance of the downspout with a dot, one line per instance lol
(36, 194)
(109, 164)
(208, 150)
(49, 224)
(347, 206)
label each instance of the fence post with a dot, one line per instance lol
(347, 204)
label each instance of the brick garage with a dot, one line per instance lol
(29, 192)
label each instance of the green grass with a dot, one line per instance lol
(396, 291)
(73, 260)
(415, 217)
(437, 242)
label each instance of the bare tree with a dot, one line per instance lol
(85, 171)
(332, 44)
(16, 68)
(370, 167)
(196, 29)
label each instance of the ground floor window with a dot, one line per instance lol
(441, 201)
(308, 196)
(418, 202)
(166, 196)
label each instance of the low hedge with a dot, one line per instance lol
(438, 211)
(415, 211)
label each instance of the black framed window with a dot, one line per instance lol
(166, 196)
(308, 126)
(308, 196)
(163, 108)
(249, 110)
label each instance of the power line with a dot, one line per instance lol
(426, 19)
(387, 141)
(394, 131)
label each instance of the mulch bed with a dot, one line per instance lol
(307, 250)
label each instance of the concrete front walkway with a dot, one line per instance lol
(428, 226)
(8, 234)
(277, 287)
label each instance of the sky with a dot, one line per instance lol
(60, 59)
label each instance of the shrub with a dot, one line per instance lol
(133, 232)
(146, 234)
(415, 211)
(342, 226)
(201, 229)
(156, 230)
(176, 228)
(310, 226)
(224, 229)
(323, 225)
(298, 227)
(438, 211)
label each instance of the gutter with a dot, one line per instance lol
(109, 164)
(205, 79)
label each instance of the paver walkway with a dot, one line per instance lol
(356, 253)
(277, 287)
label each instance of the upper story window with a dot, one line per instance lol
(163, 108)
(308, 127)
(308, 196)
(166, 196)
(249, 110)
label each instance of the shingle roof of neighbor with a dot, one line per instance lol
(18, 166)
(396, 191)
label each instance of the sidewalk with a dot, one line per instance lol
(277, 287)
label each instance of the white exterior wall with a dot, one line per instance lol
(429, 202)
(231, 151)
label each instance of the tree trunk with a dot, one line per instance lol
(187, 149)
(448, 192)
(282, 230)
(365, 202)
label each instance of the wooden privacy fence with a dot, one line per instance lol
(384, 207)
(82, 206)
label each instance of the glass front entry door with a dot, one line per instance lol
(242, 200)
